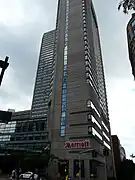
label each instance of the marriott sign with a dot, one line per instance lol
(77, 144)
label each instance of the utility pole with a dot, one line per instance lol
(3, 65)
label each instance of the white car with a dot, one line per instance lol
(28, 175)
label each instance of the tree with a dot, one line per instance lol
(127, 170)
(126, 5)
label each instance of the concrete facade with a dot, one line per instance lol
(79, 109)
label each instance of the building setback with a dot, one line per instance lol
(78, 118)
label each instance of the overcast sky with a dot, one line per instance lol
(22, 24)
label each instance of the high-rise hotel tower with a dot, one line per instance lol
(69, 106)
(78, 114)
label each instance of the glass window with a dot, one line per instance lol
(63, 107)
(37, 138)
(64, 85)
(93, 107)
(89, 103)
(25, 127)
(63, 119)
(63, 98)
(62, 133)
(89, 116)
(96, 122)
(90, 130)
(63, 91)
(105, 126)
(63, 114)
(31, 138)
(63, 123)
(42, 126)
(106, 136)
(94, 132)
(107, 145)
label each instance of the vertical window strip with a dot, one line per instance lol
(64, 83)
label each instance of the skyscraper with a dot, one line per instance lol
(44, 73)
(131, 42)
(79, 120)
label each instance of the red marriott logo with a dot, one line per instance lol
(77, 144)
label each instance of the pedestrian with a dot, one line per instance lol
(13, 174)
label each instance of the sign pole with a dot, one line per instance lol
(4, 66)
(79, 166)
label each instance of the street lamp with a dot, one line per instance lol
(3, 65)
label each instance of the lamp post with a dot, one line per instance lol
(3, 65)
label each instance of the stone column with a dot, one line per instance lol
(71, 167)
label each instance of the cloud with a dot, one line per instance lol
(22, 24)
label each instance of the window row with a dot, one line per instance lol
(38, 114)
(25, 138)
(40, 100)
(39, 108)
(39, 94)
(40, 103)
(105, 126)
(89, 75)
(33, 126)
(90, 83)
(107, 145)
(108, 139)
(90, 104)
(92, 118)
(92, 131)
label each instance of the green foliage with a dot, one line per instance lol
(127, 5)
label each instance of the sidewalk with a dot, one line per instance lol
(4, 176)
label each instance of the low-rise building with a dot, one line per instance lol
(118, 152)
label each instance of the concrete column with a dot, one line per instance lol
(87, 169)
(71, 167)
(53, 169)
(101, 172)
